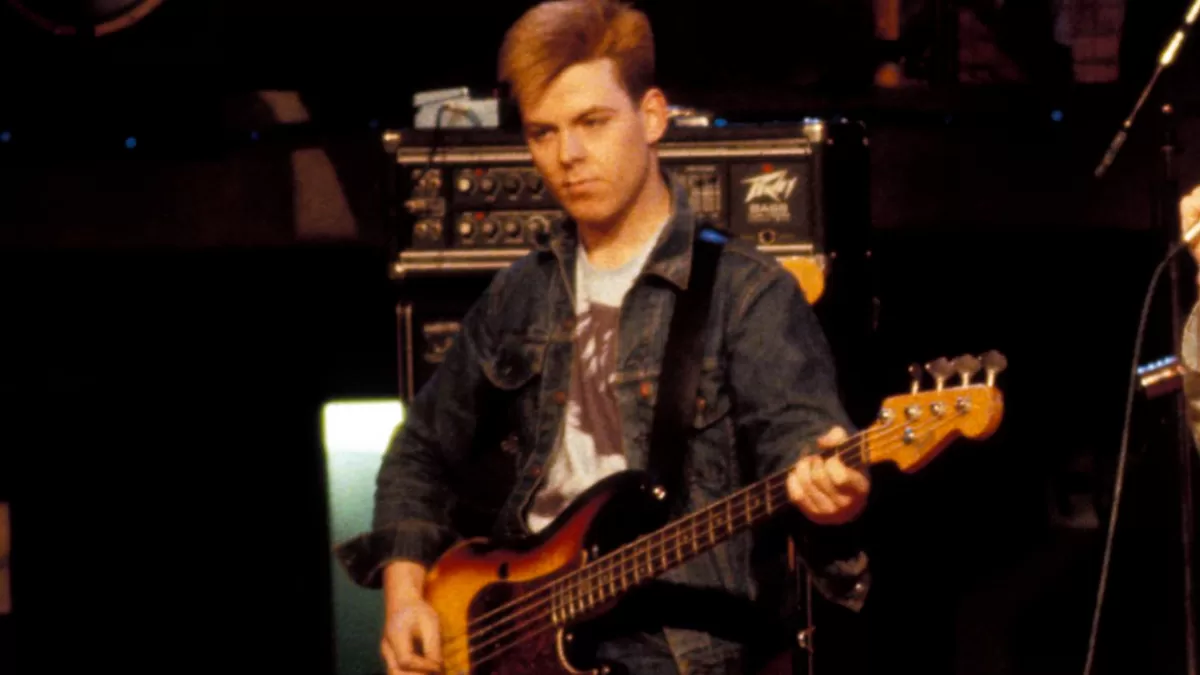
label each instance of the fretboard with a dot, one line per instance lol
(606, 578)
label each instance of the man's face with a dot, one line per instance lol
(591, 142)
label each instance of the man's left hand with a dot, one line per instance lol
(826, 490)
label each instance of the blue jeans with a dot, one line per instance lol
(640, 653)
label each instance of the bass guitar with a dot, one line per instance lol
(508, 608)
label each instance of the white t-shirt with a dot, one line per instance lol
(592, 430)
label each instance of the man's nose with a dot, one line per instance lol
(570, 148)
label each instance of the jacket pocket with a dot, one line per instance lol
(516, 361)
(513, 371)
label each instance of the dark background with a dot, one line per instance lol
(170, 330)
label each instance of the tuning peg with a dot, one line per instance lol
(994, 363)
(967, 366)
(940, 369)
(914, 371)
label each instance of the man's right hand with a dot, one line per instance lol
(412, 641)
(1189, 215)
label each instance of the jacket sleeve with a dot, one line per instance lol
(784, 385)
(413, 490)
(1189, 357)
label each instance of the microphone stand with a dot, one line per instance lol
(1166, 220)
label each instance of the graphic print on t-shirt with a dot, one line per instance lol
(592, 432)
(593, 408)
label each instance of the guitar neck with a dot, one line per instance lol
(696, 533)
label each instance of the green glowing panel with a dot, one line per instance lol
(355, 435)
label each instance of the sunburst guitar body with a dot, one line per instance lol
(508, 608)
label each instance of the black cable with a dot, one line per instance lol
(435, 140)
(1120, 477)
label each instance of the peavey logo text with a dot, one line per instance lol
(772, 190)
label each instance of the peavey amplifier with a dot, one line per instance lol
(471, 200)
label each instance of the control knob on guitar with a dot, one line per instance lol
(511, 607)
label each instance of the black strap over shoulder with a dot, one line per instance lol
(675, 406)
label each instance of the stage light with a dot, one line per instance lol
(5, 136)
(1057, 115)
(131, 142)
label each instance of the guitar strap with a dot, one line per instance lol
(675, 407)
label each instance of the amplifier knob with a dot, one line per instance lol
(512, 229)
(428, 229)
(466, 228)
(535, 184)
(487, 185)
(538, 226)
(464, 184)
(512, 184)
(488, 228)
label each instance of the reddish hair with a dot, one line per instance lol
(555, 35)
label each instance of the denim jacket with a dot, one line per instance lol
(477, 437)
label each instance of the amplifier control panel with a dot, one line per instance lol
(473, 201)
(503, 228)
(494, 187)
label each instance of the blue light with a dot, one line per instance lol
(1057, 115)
(254, 135)
(374, 124)
(131, 142)
(5, 136)
(720, 122)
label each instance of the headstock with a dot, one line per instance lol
(913, 428)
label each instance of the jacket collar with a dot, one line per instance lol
(671, 258)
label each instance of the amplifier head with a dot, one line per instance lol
(466, 195)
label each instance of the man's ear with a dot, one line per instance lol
(654, 114)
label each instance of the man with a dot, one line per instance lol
(562, 352)
(1189, 215)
